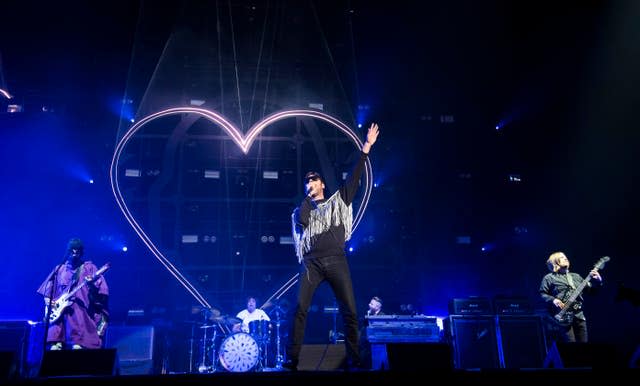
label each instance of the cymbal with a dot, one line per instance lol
(277, 309)
(233, 320)
(191, 322)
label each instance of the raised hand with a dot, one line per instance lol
(372, 137)
(372, 134)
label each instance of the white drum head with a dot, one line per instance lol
(239, 352)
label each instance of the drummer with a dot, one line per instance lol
(248, 315)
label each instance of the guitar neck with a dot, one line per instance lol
(77, 288)
(577, 291)
(86, 280)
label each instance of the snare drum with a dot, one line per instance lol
(239, 352)
(259, 329)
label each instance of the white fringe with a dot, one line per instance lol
(332, 212)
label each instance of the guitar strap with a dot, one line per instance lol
(570, 280)
(75, 278)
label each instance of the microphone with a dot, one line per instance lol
(310, 192)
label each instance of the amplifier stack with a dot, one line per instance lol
(503, 333)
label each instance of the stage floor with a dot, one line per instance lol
(455, 377)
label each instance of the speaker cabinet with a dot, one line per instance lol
(61, 363)
(474, 342)
(7, 365)
(522, 341)
(135, 345)
(419, 356)
(322, 357)
(15, 336)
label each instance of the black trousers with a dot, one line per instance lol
(577, 332)
(574, 332)
(335, 271)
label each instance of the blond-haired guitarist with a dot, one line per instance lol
(562, 291)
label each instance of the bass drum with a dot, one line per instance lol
(239, 353)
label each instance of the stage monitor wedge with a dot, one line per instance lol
(68, 363)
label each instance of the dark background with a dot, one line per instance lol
(508, 132)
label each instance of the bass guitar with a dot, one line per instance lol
(65, 300)
(565, 316)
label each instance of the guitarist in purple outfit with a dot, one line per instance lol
(82, 320)
(562, 291)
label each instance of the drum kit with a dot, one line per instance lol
(215, 346)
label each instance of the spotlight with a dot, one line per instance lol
(14, 108)
(189, 239)
(215, 174)
(270, 175)
(285, 240)
(132, 173)
(124, 249)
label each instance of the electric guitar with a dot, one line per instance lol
(571, 307)
(65, 300)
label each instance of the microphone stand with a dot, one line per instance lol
(53, 279)
(334, 338)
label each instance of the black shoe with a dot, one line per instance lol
(290, 365)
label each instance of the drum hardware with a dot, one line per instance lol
(208, 366)
(260, 330)
(333, 334)
(276, 299)
(207, 319)
(279, 356)
(191, 344)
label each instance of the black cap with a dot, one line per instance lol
(312, 176)
(75, 243)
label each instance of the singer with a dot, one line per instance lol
(321, 226)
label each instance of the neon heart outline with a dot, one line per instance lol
(242, 141)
